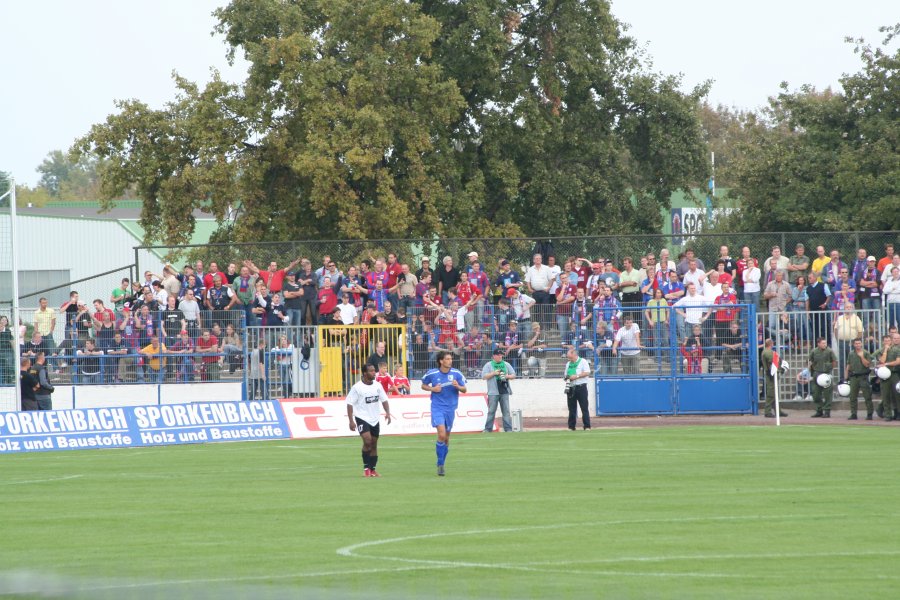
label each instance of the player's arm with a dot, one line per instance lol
(387, 407)
(460, 387)
(350, 415)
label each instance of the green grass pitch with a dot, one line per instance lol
(677, 512)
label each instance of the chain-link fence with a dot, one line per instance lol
(520, 250)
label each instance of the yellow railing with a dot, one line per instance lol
(344, 349)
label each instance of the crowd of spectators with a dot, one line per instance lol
(611, 313)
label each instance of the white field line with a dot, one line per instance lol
(47, 480)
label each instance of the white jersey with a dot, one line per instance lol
(366, 401)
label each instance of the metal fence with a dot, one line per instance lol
(520, 250)
(794, 334)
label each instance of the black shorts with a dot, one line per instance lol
(363, 426)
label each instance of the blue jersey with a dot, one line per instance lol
(448, 397)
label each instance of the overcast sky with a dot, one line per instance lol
(64, 62)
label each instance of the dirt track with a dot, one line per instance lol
(796, 417)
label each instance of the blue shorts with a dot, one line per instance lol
(441, 415)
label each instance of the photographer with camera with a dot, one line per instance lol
(578, 370)
(498, 373)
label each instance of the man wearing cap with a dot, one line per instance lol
(472, 258)
(498, 373)
(521, 305)
(425, 268)
(798, 264)
(821, 362)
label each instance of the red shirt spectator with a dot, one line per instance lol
(724, 315)
(328, 301)
(208, 343)
(465, 290)
(385, 380)
(208, 279)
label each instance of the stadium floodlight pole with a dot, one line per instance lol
(17, 353)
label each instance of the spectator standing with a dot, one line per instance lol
(256, 375)
(798, 309)
(891, 292)
(657, 315)
(776, 262)
(847, 327)
(627, 345)
(521, 305)
(219, 300)
(743, 263)
(208, 346)
(308, 282)
(751, 279)
(405, 289)
(832, 272)
(424, 269)
(819, 263)
(629, 285)
(685, 264)
(819, 294)
(778, 295)
(798, 265)
(89, 363)
(498, 373)
(293, 294)
(327, 300)
(447, 277)
(858, 266)
(888, 257)
(273, 277)
(689, 310)
(120, 294)
(538, 279)
(244, 285)
(45, 323)
(7, 353)
(869, 290)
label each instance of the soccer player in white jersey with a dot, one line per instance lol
(364, 411)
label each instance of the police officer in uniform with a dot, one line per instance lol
(767, 357)
(856, 373)
(821, 361)
(881, 386)
(891, 359)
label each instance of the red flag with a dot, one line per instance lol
(776, 361)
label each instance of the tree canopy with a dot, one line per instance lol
(385, 118)
(823, 160)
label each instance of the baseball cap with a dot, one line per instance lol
(872, 258)
(497, 350)
(800, 245)
(183, 332)
(290, 274)
(471, 254)
(511, 292)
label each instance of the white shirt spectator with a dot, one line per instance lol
(709, 291)
(190, 308)
(348, 313)
(539, 278)
(693, 277)
(751, 279)
(692, 315)
(522, 305)
(891, 291)
(628, 340)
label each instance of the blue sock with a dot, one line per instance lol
(441, 449)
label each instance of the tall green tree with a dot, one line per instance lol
(827, 160)
(388, 118)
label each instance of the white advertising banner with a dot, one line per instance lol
(327, 417)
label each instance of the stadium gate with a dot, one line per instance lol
(674, 371)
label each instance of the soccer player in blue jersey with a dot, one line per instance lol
(445, 384)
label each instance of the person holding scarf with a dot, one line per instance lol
(498, 373)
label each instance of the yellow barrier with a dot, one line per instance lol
(344, 349)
